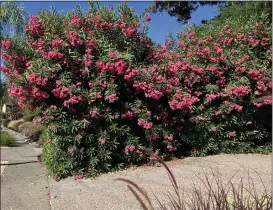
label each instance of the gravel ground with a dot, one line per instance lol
(105, 193)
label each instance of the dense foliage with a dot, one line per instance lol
(105, 89)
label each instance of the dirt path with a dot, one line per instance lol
(105, 193)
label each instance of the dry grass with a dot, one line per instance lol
(213, 194)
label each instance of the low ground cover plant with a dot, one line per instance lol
(30, 130)
(6, 139)
(14, 124)
(105, 89)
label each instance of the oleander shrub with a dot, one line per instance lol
(6, 139)
(14, 124)
(104, 89)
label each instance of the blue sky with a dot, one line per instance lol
(160, 24)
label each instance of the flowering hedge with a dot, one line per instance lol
(105, 89)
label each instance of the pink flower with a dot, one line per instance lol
(112, 54)
(213, 128)
(240, 90)
(148, 125)
(127, 149)
(132, 148)
(219, 50)
(206, 50)
(232, 134)
(171, 148)
(94, 114)
(148, 18)
(249, 122)
(37, 121)
(218, 112)
(70, 150)
(141, 122)
(6, 44)
(180, 44)
(209, 38)
(112, 98)
(102, 141)
(170, 137)
(238, 107)
(28, 64)
(78, 176)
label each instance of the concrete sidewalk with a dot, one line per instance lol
(24, 184)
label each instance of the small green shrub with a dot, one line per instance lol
(5, 122)
(6, 139)
(31, 131)
(13, 125)
(28, 118)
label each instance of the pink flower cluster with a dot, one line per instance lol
(74, 38)
(16, 91)
(57, 43)
(128, 115)
(183, 102)
(34, 79)
(129, 148)
(128, 30)
(61, 92)
(255, 74)
(112, 98)
(34, 26)
(240, 90)
(169, 137)
(54, 55)
(146, 125)
(153, 137)
(72, 100)
(76, 20)
(6, 44)
(38, 94)
(78, 176)
(171, 148)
